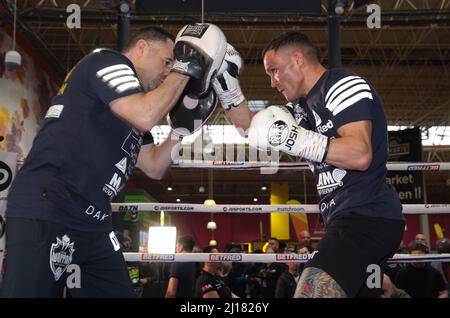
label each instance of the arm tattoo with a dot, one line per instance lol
(315, 283)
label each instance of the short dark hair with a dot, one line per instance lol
(209, 249)
(187, 242)
(293, 38)
(300, 246)
(418, 247)
(151, 33)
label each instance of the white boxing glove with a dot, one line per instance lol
(275, 128)
(226, 83)
(199, 52)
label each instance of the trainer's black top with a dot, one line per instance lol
(83, 154)
(340, 97)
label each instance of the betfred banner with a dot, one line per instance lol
(406, 145)
(7, 173)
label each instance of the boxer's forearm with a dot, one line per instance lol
(241, 117)
(353, 150)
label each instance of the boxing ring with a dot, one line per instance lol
(263, 258)
(295, 208)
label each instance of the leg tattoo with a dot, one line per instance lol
(315, 283)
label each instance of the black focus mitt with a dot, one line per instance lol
(191, 111)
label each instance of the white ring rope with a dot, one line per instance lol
(240, 208)
(263, 258)
(391, 166)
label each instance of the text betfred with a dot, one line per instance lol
(294, 257)
(225, 258)
(158, 257)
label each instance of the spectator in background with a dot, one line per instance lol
(281, 247)
(391, 291)
(208, 284)
(303, 249)
(420, 238)
(287, 282)
(443, 247)
(253, 286)
(273, 246)
(391, 269)
(402, 248)
(181, 276)
(420, 280)
(197, 249)
(140, 273)
(304, 238)
(237, 279)
(269, 273)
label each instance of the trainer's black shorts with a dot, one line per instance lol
(42, 257)
(353, 242)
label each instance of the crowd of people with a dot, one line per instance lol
(98, 129)
(278, 280)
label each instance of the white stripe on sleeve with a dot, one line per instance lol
(351, 101)
(112, 75)
(124, 87)
(337, 84)
(346, 94)
(121, 80)
(111, 69)
(342, 88)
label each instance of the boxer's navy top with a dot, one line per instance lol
(340, 97)
(83, 153)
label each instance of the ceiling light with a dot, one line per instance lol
(211, 225)
(255, 199)
(178, 199)
(263, 188)
(169, 189)
(339, 8)
(209, 202)
(213, 243)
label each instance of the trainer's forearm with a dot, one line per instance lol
(164, 153)
(166, 95)
(144, 110)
